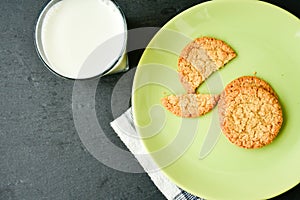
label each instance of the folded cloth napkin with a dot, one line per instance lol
(125, 129)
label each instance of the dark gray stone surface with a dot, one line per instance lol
(41, 155)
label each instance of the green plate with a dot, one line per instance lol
(267, 41)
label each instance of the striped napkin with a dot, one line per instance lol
(124, 125)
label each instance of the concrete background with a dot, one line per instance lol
(41, 155)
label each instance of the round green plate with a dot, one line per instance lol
(267, 41)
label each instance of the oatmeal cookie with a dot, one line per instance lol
(200, 58)
(249, 81)
(190, 105)
(250, 116)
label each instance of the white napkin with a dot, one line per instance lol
(125, 129)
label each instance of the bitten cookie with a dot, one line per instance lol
(190, 105)
(250, 114)
(200, 58)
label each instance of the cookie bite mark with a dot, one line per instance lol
(190, 105)
(189, 76)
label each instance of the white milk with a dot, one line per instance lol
(73, 29)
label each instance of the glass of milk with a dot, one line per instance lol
(82, 39)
